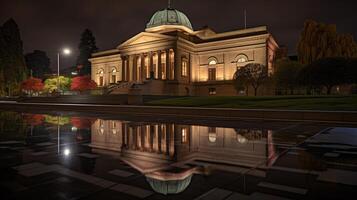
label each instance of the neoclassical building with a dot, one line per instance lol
(171, 58)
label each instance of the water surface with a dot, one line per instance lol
(88, 156)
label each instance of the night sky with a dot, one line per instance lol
(50, 25)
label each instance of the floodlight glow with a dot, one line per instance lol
(66, 152)
(66, 51)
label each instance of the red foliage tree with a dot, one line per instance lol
(32, 85)
(82, 83)
(33, 119)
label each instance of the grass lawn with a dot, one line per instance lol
(345, 103)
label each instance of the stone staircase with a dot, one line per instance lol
(117, 86)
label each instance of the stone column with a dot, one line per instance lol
(168, 64)
(159, 67)
(159, 135)
(128, 68)
(143, 74)
(135, 67)
(168, 135)
(151, 63)
(176, 65)
(122, 68)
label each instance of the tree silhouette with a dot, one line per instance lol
(39, 63)
(12, 62)
(86, 47)
(319, 40)
(326, 72)
(286, 74)
(253, 74)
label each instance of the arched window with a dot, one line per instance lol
(212, 137)
(212, 62)
(241, 139)
(113, 75)
(241, 60)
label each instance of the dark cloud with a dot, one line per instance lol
(49, 25)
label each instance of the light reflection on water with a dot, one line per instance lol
(169, 155)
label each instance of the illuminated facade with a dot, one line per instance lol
(170, 58)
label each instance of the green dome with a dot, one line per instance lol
(169, 187)
(169, 17)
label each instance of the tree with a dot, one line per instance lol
(253, 74)
(51, 83)
(351, 71)
(319, 40)
(32, 85)
(326, 72)
(12, 62)
(39, 63)
(87, 46)
(82, 83)
(286, 74)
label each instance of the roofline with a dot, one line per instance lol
(168, 28)
(236, 32)
(105, 53)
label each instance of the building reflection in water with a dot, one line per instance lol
(169, 154)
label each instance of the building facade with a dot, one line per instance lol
(170, 58)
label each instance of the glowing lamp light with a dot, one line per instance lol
(66, 51)
(74, 129)
(66, 152)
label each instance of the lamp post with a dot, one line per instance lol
(65, 51)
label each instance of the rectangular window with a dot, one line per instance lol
(212, 91)
(114, 78)
(184, 68)
(101, 81)
(211, 74)
(184, 133)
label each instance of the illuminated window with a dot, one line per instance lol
(101, 77)
(184, 135)
(114, 76)
(114, 127)
(212, 137)
(241, 139)
(241, 59)
(212, 62)
(184, 67)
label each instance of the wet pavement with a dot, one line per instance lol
(69, 156)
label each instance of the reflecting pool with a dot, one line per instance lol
(88, 156)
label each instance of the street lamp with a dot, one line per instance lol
(65, 51)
